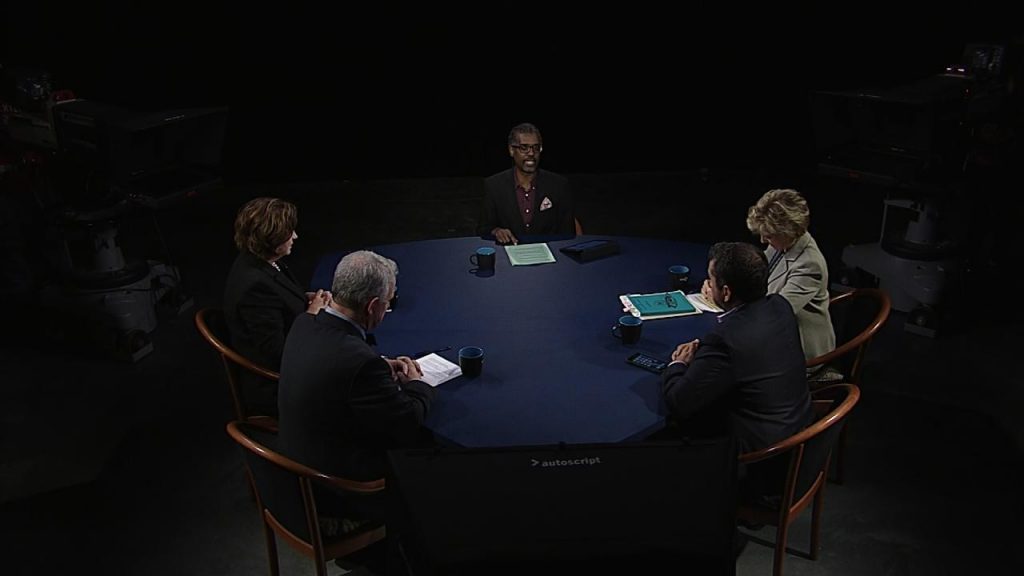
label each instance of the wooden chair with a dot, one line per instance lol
(803, 460)
(287, 501)
(212, 326)
(852, 340)
(856, 317)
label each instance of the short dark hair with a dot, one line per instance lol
(742, 267)
(263, 224)
(524, 128)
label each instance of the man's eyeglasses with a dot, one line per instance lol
(524, 148)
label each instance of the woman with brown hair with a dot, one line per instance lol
(262, 298)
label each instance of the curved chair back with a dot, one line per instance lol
(805, 457)
(856, 315)
(287, 500)
(213, 327)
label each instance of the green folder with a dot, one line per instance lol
(659, 305)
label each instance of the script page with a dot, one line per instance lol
(437, 370)
(529, 254)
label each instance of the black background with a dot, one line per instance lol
(336, 92)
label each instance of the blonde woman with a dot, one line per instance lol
(796, 267)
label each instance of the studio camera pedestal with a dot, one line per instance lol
(913, 266)
(116, 162)
(114, 300)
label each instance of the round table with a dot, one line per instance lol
(553, 372)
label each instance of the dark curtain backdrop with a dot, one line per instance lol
(337, 92)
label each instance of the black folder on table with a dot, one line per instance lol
(591, 249)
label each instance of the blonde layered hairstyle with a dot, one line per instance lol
(780, 213)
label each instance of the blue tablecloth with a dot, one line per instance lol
(552, 370)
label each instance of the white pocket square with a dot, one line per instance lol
(545, 204)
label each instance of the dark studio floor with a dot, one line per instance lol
(125, 468)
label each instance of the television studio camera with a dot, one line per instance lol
(913, 143)
(106, 165)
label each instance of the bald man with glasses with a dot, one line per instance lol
(524, 200)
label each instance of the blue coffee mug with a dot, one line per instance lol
(483, 258)
(471, 361)
(679, 277)
(628, 329)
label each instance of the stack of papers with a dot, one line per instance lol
(658, 305)
(528, 254)
(702, 303)
(437, 370)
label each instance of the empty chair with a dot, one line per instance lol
(795, 470)
(211, 324)
(287, 501)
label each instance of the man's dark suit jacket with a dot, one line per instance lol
(260, 304)
(750, 367)
(500, 208)
(339, 407)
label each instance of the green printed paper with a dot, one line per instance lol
(528, 254)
